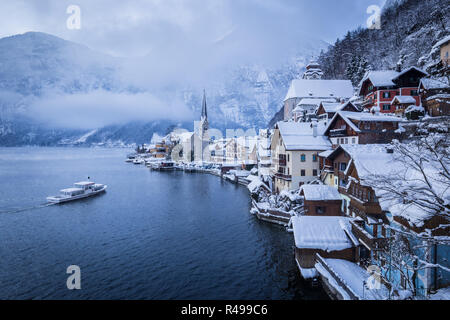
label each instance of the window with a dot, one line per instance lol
(303, 158)
(315, 173)
(289, 171)
(314, 157)
(353, 140)
(367, 125)
(343, 166)
(414, 93)
(288, 157)
(321, 210)
(346, 140)
(303, 173)
(386, 95)
(386, 107)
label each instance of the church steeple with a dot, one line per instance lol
(204, 109)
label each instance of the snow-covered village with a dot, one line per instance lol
(359, 177)
(178, 150)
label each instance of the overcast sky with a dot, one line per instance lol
(176, 42)
(137, 27)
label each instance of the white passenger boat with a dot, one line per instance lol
(79, 191)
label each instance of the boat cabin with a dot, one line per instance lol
(84, 185)
(71, 192)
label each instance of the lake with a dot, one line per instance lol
(153, 235)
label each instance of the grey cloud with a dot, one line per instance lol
(100, 108)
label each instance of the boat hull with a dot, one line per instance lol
(59, 200)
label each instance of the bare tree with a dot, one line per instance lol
(422, 182)
(420, 187)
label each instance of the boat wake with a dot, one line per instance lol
(18, 210)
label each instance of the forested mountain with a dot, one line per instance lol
(409, 29)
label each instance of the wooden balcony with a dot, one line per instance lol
(342, 132)
(369, 240)
(364, 206)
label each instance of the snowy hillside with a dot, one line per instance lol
(34, 64)
(409, 29)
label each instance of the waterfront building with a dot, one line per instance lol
(295, 147)
(321, 200)
(329, 237)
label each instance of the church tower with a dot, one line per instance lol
(313, 71)
(204, 125)
(201, 132)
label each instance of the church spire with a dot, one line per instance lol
(204, 109)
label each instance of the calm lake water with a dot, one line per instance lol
(151, 236)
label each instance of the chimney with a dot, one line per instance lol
(314, 127)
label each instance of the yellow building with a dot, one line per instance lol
(295, 151)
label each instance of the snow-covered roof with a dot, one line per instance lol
(414, 108)
(439, 96)
(318, 192)
(347, 116)
(333, 107)
(366, 116)
(322, 233)
(408, 70)
(442, 41)
(373, 163)
(303, 88)
(430, 84)
(370, 159)
(404, 99)
(325, 154)
(313, 101)
(382, 78)
(85, 183)
(299, 136)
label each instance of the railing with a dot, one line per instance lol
(369, 240)
(283, 176)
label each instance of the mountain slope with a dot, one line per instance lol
(409, 29)
(35, 65)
